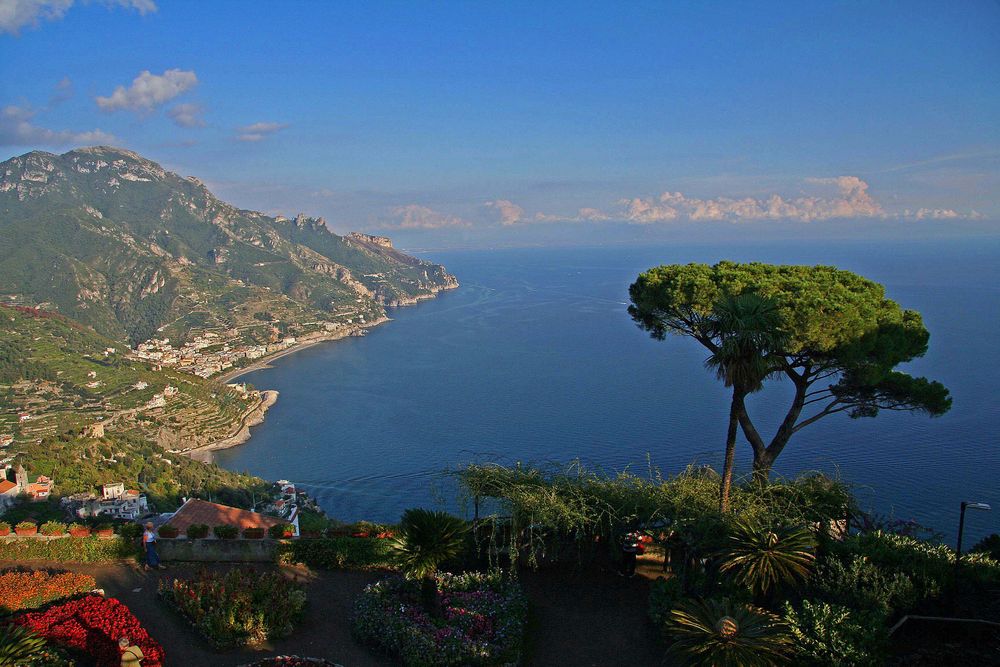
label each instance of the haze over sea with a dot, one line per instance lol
(535, 359)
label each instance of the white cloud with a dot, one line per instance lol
(506, 211)
(851, 200)
(15, 14)
(149, 90)
(934, 214)
(258, 131)
(17, 129)
(187, 115)
(415, 216)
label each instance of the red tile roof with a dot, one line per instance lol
(213, 514)
(6, 485)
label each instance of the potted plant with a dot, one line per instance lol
(104, 530)
(196, 531)
(226, 532)
(53, 529)
(253, 533)
(4, 529)
(26, 528)
(78, 530)
(168, 531)
(281, 531)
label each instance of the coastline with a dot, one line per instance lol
(252, 417)
(255, 416)
(315, 339)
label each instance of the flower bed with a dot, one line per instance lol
(238, 608)
(292, 661)
(92, 625)
(29, 589)
(483, 620)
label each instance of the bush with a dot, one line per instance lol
(989, 546)
(281, 531)
(482, 624)
(68, 549)
(861, 584)
(334, 553)
(168, 531)
(197, 531)
(79, 530)
(663, 597)
(29, 589)
(226, 532)
(92, 625)
(253, 533)
(241, 607)
(131, 531)
(53, 528)
(834, 636)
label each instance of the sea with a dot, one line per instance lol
(534, 359)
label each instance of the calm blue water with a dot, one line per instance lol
(535, 359)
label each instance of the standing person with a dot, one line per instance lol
(630, 548)
(149, 546)
(131, 655)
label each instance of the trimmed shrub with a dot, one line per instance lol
(253, 533)
(131, 531)
(4, 529)
(197, 531)
(226, 532)
(68, 549)
(333, 553)
(834, 636)
(79, 530)
(861, 584)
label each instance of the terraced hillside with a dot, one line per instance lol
(57, 376)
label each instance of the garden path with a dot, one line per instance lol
(578, 619)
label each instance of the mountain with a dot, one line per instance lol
(113, 240)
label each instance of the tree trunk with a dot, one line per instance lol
(727, 468)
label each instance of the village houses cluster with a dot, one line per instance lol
(206, 355)
(11, 490)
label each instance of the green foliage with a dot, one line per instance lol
(196, 531)
(311, 521)
(19, 646)
(830, 635)
(226, 532)
(861, 584)
(337, 553)
(717, 633)
(168, 531)
(426, 539)
(26, 525)
(241, 607)
(765, 559)
(68, 550)
(280, 531)
(835, 329)
(664, 595)
(52, 528)
(988, 546)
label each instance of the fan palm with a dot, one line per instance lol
(718, 633)
(425, 540)
(763, 558)
(18, 645)
(750, 341)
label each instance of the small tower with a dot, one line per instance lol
(21, 478)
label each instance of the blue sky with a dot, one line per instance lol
(491, 120)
